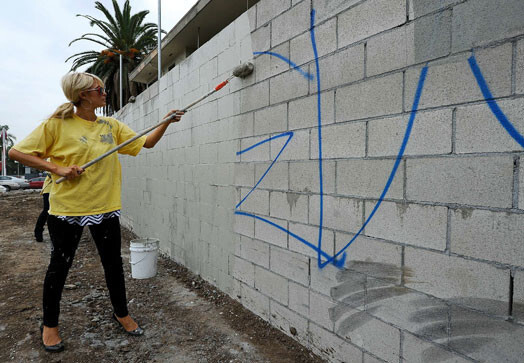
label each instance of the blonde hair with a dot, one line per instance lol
(72, 84)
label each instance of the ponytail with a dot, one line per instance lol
(65, 110)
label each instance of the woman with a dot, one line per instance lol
(92, 198)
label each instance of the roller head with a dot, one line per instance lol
(243, 70)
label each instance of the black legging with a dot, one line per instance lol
(65, 238)
(42, 218)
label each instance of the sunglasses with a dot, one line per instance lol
(100, 90)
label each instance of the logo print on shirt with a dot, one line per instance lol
(102, 121)
(107, 138)
(83, 139)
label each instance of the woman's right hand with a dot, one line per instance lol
(70, 172)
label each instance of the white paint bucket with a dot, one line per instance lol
(144, 253)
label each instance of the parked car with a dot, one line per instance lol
(2, 189)
(24, 184)
(8, 183)
(37, 183)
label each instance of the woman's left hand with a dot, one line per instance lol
(176, 118)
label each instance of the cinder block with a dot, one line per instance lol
(487, 235)
(290, 264)
(257, 202)
(486, 181)
(298, 298)
(340, 141)
(310, 234)
(451, 80)
(261, 38)
(244, 174)
(303, 112)
(242, 125)
(229, 105)
(343, 214)
(272, 285)
(371, 98)
(390, 50)
(521, 184)
(289, 322)
(291, 23)
(287, 86)
(484, 338)
(267, 10)
(271, 234)
(253, 97)
(416, 350)
(289, 206)
(226, 153)
(409, 310)
(276, 178)
(369, 333)
(208, 153)
(296, 149)
(479, 22)
(271, 119)
(258, 153)
(242, 270)
(370, 359)
(267, 65)
(326, 42)
(367, 178)
(244, 226)
(422, 40)
(339, 68)
(327, 9)
(369, 18)
(478, 130)
(328, 345)
(431, 134)
(304, 176)
(323, 280)
(414, 224)
(255, 301)
(518, 295)
(208, 71)
(319, 310)
(371, 251)
(254, 251)
(519, 69)
(479, 285)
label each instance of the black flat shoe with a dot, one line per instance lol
(51, 348)
(39, 237)
(137, 332)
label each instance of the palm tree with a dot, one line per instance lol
(123, 34)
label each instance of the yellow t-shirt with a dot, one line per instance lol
(75, 141)
(48, 183)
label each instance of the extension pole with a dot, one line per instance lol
(142, 133)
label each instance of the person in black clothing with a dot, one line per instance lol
(42, 218)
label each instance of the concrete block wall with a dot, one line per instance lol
(435, 268)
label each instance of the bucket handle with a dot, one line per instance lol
(134, 263)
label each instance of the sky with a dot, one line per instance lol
(34, 38)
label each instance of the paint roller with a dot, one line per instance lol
(241, 71)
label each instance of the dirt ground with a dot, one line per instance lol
(186, 319)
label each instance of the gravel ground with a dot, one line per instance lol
(185, 318)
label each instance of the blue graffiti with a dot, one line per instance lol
(292, 64)
(289, 134)
(488, 97)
